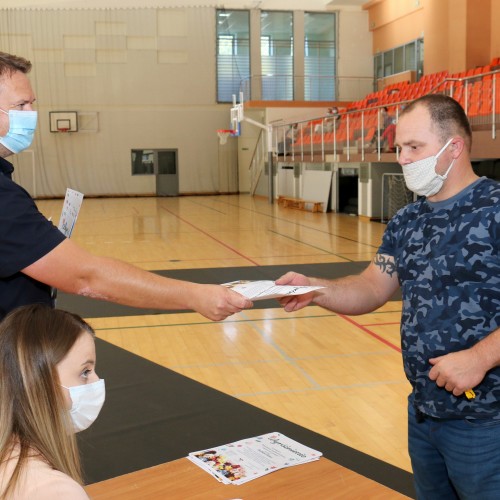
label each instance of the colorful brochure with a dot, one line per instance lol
(241, 461)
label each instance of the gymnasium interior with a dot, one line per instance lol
(239, 140)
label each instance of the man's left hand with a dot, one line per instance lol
(457, 371)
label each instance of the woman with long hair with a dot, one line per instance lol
(48, 391)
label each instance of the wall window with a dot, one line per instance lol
(276, 75)
(233, 52)
(320, 63)
(142, 162)
(399, 59)
(265, 45)
(276, 51)
(227, 47)
(407, 57)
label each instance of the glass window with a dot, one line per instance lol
(410, 57)
(379, 66)
(399, 60)
(388, 65)
(419, 50)
(154, 161)
(320, 56)
(226, 45)
(142, 162)
(404, 58)
(167, 162)
(276, 55)
(265, 45)
(233, 54)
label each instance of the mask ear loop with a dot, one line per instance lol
(445, 175)
(443, 148)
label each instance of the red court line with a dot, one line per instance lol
(210, 236)
(369, 332)
(383, 324)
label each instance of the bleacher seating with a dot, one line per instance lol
(359, 121)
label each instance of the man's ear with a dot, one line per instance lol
(457, 146)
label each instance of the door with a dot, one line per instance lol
(166, 171)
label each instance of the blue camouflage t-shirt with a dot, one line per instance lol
(448, 264)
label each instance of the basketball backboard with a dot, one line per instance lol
(63, 121)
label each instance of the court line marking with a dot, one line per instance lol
(369, 332)
(267, 361)
(388, 323)
(327, 252)
(293, 361)
(208, 322)
(210, 236)
(284, 356)
(296, 240)
(272, 216)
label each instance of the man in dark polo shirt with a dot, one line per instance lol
(34, 254)
(25, 236)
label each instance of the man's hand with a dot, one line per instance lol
(457, 371)
(295, 302)
(217, 302)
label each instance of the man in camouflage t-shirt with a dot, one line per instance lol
(446, 259)
(443, 251)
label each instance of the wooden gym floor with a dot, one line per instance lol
(339, 376)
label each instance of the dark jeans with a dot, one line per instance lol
(454, 459)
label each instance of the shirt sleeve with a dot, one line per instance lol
(387, 245)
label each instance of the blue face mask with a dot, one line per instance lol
(22, 126)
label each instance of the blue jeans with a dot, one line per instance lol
(454, 459)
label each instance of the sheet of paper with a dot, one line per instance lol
(260, 290)
(241, 461)
(71, 208)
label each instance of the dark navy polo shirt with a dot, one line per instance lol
(25, 236)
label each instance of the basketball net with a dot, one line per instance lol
(223, 135)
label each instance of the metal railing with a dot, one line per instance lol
(357, 131)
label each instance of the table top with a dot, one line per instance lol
(181, 479)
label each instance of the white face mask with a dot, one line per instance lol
(87, 401)
(421, 177)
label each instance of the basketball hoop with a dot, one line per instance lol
(224, 134)
(62, 129)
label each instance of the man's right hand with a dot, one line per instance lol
(217, 302)
(295, 302)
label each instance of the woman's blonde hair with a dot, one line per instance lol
(33, 415)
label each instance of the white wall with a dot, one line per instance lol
(147, 76)
(355, 55)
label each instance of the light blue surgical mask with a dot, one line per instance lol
(22, 125)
